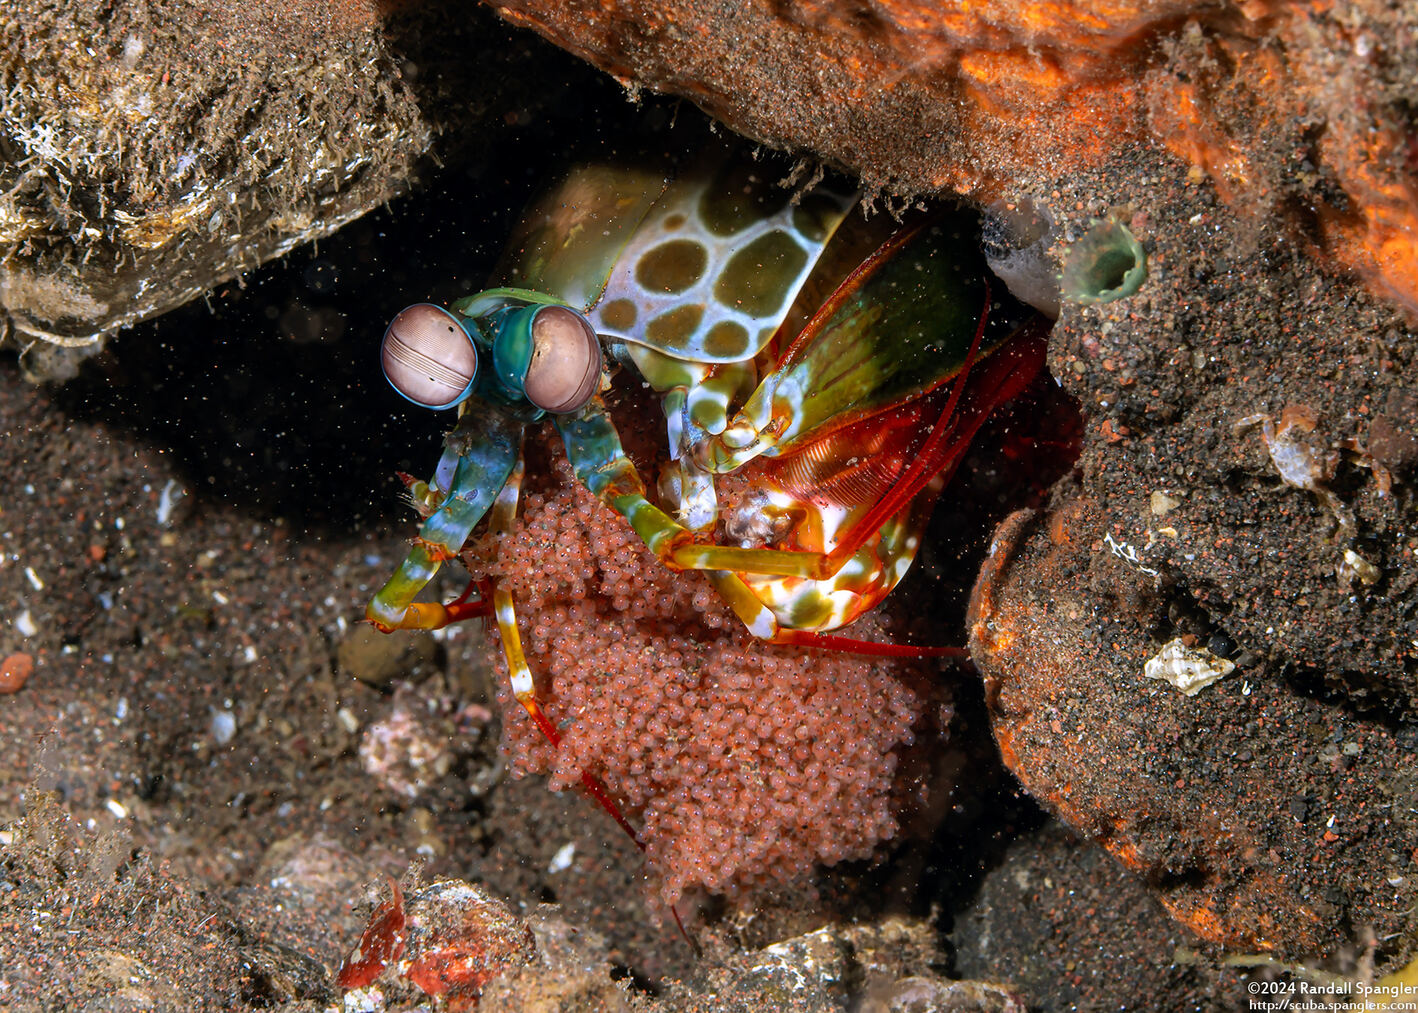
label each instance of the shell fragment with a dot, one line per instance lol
(1190, 669)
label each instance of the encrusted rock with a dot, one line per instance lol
(922, 96)
(1253, 825)
(152, 151)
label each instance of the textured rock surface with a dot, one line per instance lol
(1265, 818)
(1227, 496)
(1297, 110)
(149, 152)
(1118, 939)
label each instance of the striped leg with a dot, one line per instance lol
(481, 469)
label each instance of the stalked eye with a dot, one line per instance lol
(428, 357)
(565, 369)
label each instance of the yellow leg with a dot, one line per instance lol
(769, 562)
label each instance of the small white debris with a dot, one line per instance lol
(369, 999)
(1190, 669)
(1126, 552)
(220, 598)
(561, 861)
(810, 961)
(1355, 567)
(120, 712)
(171, 495)
(116, 807)
(33, 578)
(132, 51)
(24, 624)
(404, 752)
(1161, 504)
(348, 720)
(223, 726)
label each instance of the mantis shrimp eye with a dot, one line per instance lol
(428, 357)
(565, 370)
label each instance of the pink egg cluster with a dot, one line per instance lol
(743, 764)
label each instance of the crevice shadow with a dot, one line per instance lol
(268, 391)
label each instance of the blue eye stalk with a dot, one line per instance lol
(544, 354)
(551, 355)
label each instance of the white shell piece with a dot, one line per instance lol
(1354, 567)
(1190, 669)
(222, 726)
(561, 861)
(1161, 504)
